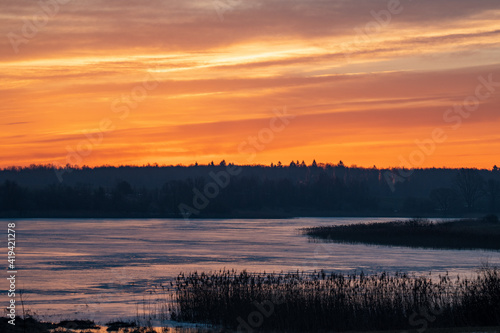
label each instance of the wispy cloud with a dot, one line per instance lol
(219, 80)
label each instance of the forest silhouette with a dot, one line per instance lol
(296, 189)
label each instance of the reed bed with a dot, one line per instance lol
(481, 233)
(335, 302)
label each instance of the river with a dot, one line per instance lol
(106, 269)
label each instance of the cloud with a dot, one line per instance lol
(219, 80)
(106, 26)
(17, 123)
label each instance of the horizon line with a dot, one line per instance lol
(223, 163)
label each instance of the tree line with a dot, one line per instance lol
(260, 191)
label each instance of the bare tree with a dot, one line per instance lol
(493, 191)
(470, 184)
(444, 198)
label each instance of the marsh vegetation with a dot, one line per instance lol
(482, 233)
(318, 301)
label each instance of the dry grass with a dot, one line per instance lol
(334, 302)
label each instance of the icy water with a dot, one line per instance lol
(106, 269)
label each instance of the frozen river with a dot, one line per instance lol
(107, 269)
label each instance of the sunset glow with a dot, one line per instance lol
(169, 82)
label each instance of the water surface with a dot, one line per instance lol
(107, 269)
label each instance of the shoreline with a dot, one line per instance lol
(31, 325)
(227, 300)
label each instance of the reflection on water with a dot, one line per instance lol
(117, 269)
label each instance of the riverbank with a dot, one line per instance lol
(473, 233)
(32, 325)
(231, 301)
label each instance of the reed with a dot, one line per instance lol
(481, 233)
(335, 302)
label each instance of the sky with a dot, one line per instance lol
(369, 82)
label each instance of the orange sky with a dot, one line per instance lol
(168, 82)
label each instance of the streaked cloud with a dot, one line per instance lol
(376, 91)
